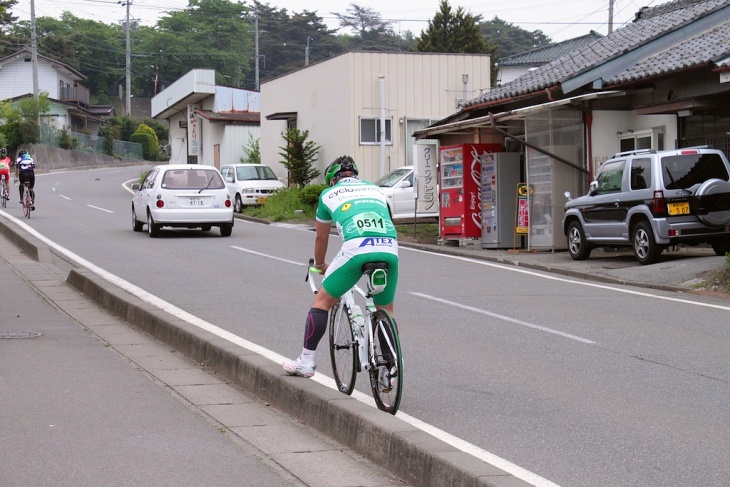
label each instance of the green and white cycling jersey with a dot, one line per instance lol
(357, 208)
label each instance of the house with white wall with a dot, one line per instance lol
(344, 101)
(70, 104)
(209, 124)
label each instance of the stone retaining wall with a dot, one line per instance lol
(48, 158)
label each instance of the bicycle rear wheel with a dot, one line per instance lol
(26, 204)
(3, 195)
(386, 378)
(343, 351)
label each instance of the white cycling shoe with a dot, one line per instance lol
(296, 367)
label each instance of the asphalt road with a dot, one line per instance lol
(581, 381)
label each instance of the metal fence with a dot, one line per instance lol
(91, 143)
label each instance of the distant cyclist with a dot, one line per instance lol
(5, 163)
(360, 213)
(25, 171)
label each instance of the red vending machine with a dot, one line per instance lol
(461, 189)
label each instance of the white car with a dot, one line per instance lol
(183, 196)
(400, 193)
(250, 184)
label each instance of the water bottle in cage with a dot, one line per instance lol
(357, 317)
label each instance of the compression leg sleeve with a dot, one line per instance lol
(315, 328)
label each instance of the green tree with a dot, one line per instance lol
(120, 127)
(371, 32)
(163, 134)
(252, 151)
(283, 40)
(150, 143)
(363, 20)
(212, 34)
(511, 39)
(31, 109)
(6, 16)
(299, 156)
(456, 32)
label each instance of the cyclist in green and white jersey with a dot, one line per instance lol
(360, 213)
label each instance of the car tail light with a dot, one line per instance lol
(689, 152)
(659, 204)
(160, 204)
(228, 203)
(673, 233)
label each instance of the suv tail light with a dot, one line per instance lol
(659, 204)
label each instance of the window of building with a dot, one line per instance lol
(370, 131)
(642, 139)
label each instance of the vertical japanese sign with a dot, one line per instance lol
(193, 142)
(426, 176)
(522, 217)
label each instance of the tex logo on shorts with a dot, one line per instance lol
(346, 206)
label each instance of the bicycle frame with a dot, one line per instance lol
(365, 343)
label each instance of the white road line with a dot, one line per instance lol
(512, 268)
(458, 443)
(64, 197)
(100, 209)
(505, 318)
(267, 256)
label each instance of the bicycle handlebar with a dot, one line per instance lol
(312, 270)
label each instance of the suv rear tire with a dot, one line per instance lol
(578, 247)
(721, 246)
(646, 249)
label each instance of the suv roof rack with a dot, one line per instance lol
(697, 147)
(634, 152)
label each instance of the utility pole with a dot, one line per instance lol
(256, 37)
(128, 52)
(34, 58)
(306, 52)
(610, 16)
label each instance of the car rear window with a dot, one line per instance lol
(192, 179)
(253, 173)
(686, 170)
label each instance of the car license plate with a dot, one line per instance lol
(260, 201)
(679, 208)
(195, 201)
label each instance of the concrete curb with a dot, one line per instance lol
(403, 449)
(406, 451)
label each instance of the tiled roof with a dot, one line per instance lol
(651, 24)
(699, 50)
(544, 55)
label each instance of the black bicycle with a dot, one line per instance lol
(27, 201)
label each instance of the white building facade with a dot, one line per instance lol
(209, 124)
(344, 101)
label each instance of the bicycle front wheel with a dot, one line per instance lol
(342, 349)
(386, 377)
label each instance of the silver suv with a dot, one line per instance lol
(652, 200)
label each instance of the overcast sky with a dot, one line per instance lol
(558, 19)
